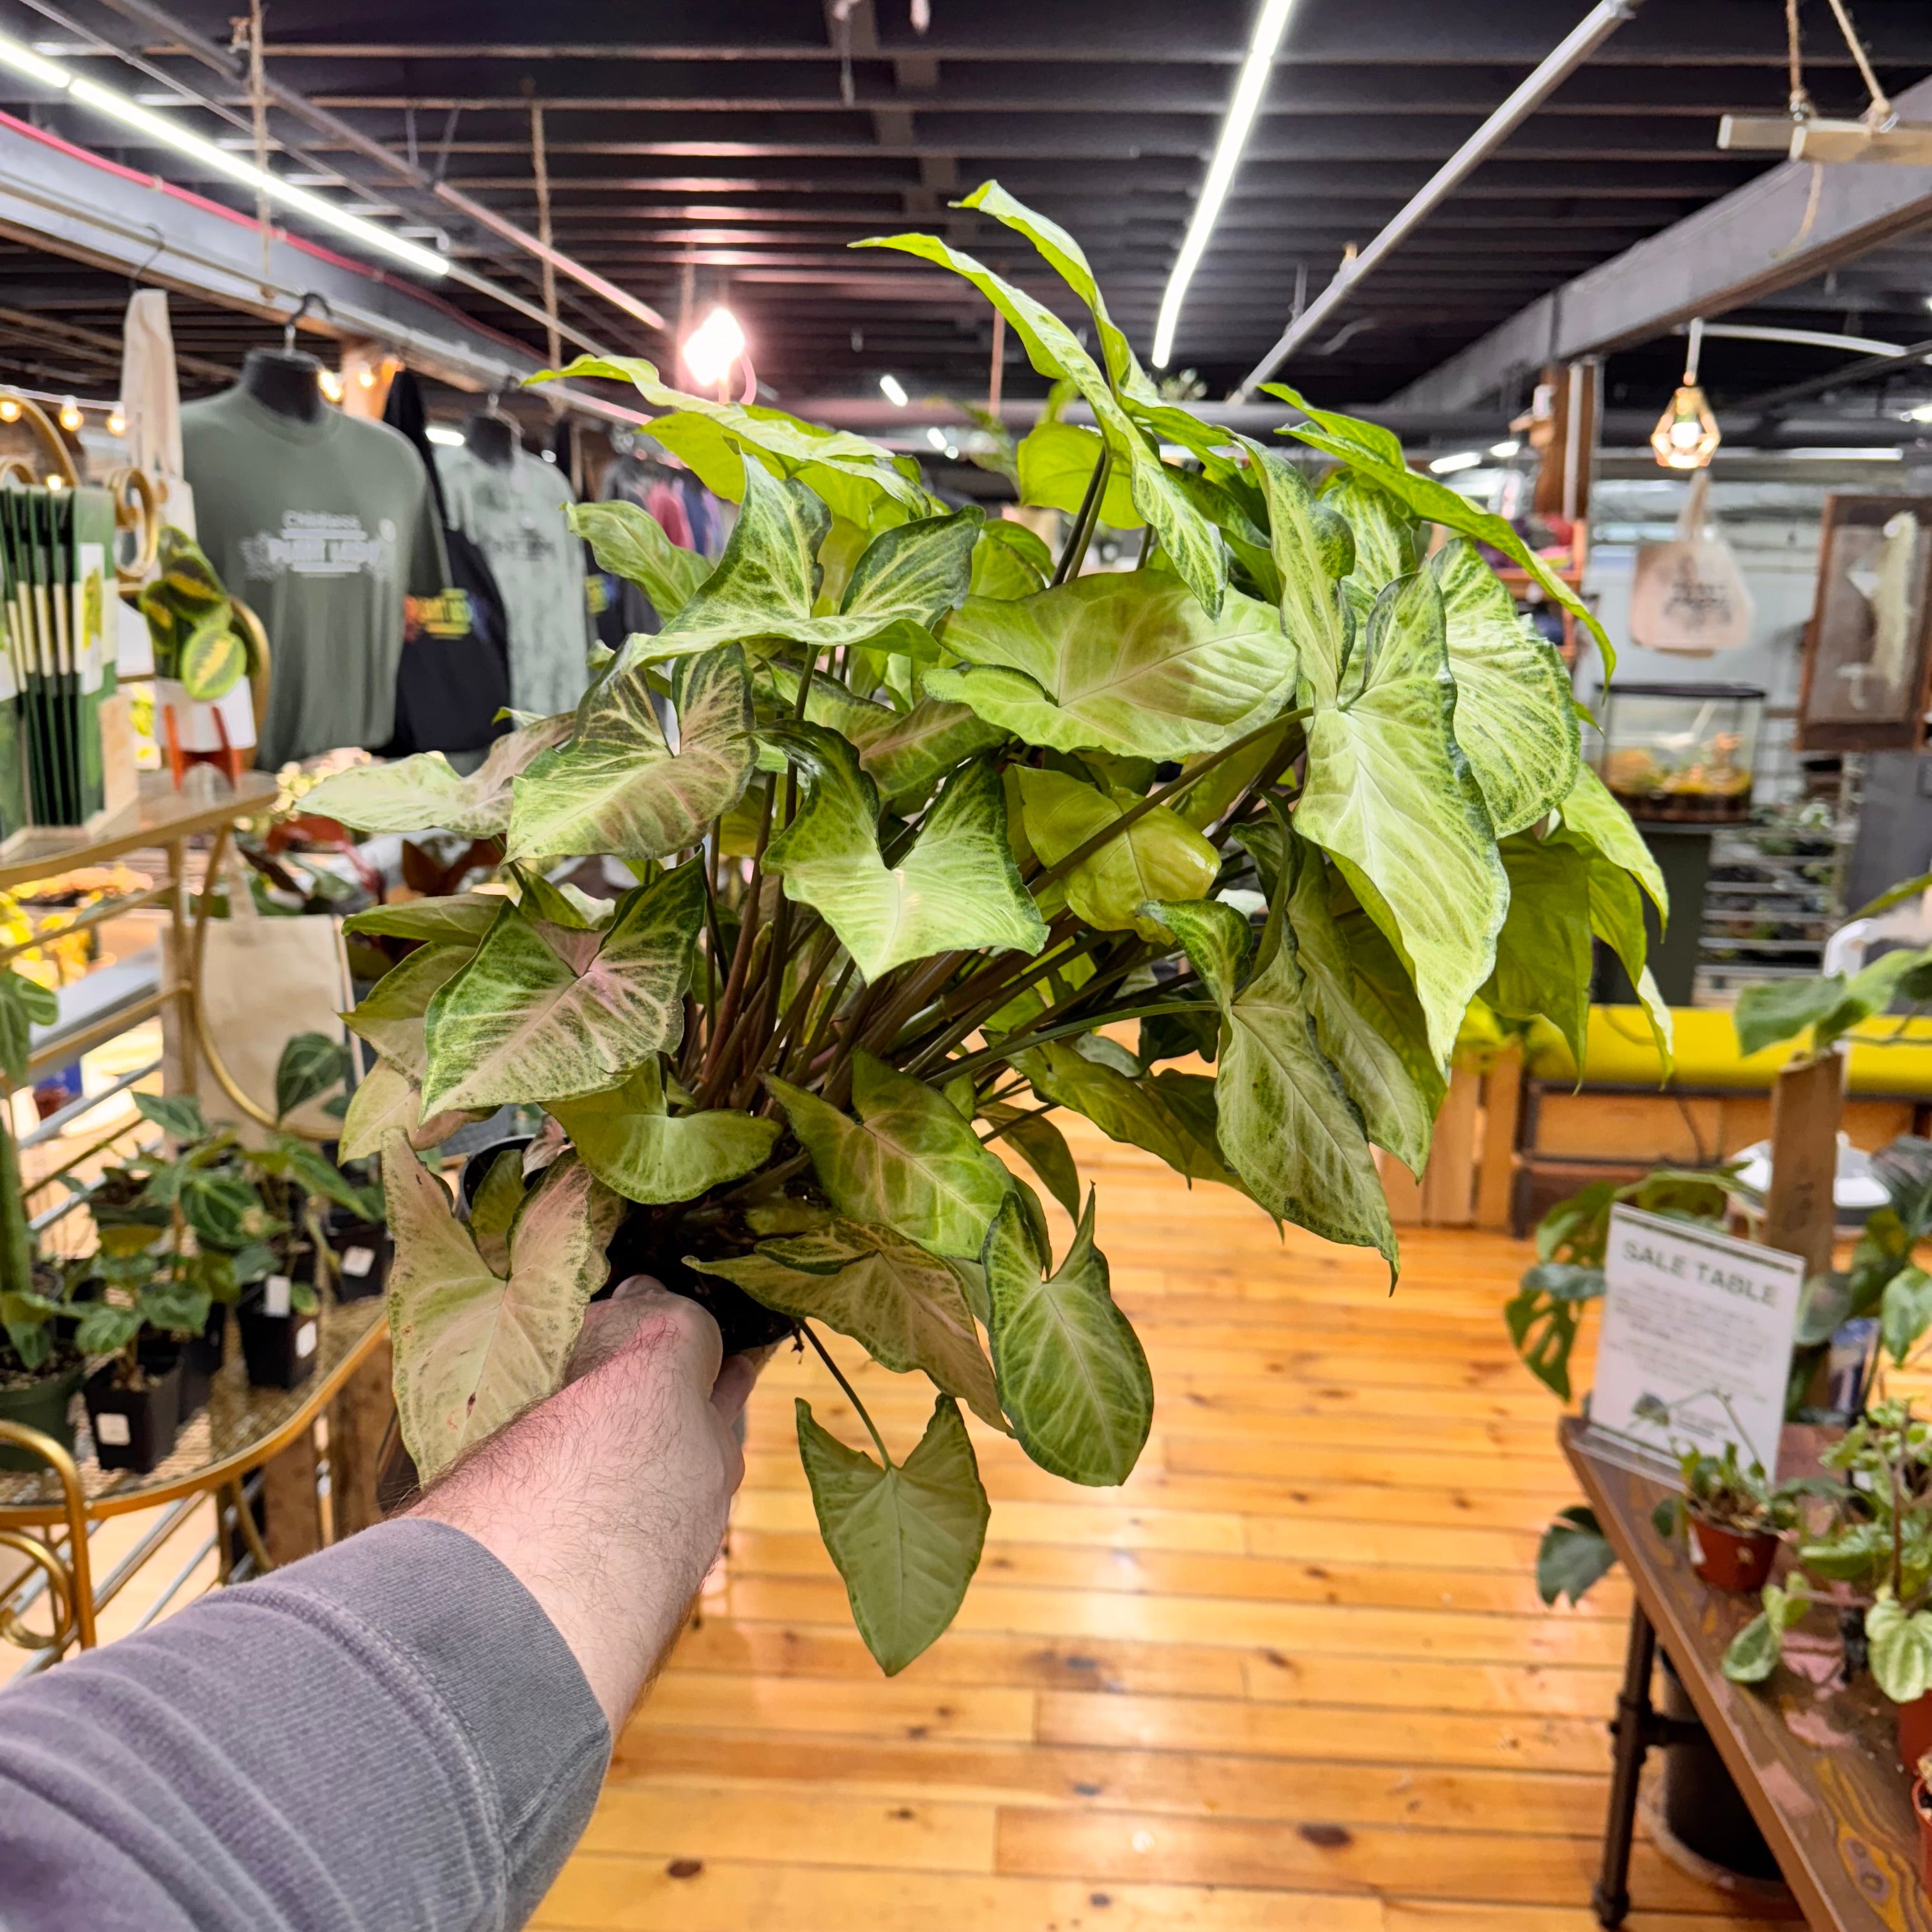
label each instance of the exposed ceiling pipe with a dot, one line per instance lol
(1577, 47)
(158, 20)
(1772, 401)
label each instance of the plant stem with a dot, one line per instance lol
(741, 953)
(1085, 520)
(851, 1393)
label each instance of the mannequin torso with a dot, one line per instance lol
(286, 383)
(491, 440)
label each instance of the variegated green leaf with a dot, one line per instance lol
(906, 753)
(958, 887)
(1516, 716)
(461, 919)
(629, 542)
(1041, 1146)
(1057, 461)
(909, 1162)
(1388, 797)
(906, 1307)
(1381, 1054)
(617, 787)
(1158, 856)
(424, 792)
(547, 1013)
(212, 661)
(387, 1101)
(498, 1195)
(1591, 817)
(1009, 561)
(1286, 1120)
(906, 1539)
(1313, 550)
(1072, 1378)
(632, 1142)
(1386, 536)
(1192, 545)
(1126, 662)
(390, 1016)
(473, 1350)
(1544, 958)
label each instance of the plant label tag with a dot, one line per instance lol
(275, 1292)
(356, 1262)
(111, 1431)
(1697, 1338)
(305, 1340)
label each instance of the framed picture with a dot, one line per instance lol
(1868, 648)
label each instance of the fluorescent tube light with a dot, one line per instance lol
(1270, 23)
(936, 436)
(1506, 449)
(1849, 455)
(1447, 466)
(166, 133)
(893, 390)
(447, 439)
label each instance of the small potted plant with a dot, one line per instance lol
(133, 1398)
(1732, 1517)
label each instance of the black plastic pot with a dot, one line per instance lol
(43, 1404)
(279, 1349)
(743, 1324)
(363, 1250)
(134, 1429)
(200, 1355)
(1701, 1806)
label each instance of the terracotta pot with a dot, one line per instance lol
(1922, 1809)
(1915, 1733)
(1730, 1559)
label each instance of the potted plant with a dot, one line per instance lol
(1732, 1515)
(204, 650)
(940, 815)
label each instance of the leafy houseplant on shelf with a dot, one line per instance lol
(897, 813)
(1732, 1514)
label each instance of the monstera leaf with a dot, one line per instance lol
(547, 1012)
(629, 1139)
(424, 792)
(1072, 1378)
(1158, 856)
(1389, 798)
(1286, 1120)
(1124, 661)
(767, 584)
(618, 787)
(957, 888)
(474, 1348)
(909, 1162)
(907, 1308)
(629, 542)
(906, 1537)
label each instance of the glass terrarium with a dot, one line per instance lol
(1682, 752)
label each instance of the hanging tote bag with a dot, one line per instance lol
(1688, 595)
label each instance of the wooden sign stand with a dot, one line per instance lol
(1800, 1211)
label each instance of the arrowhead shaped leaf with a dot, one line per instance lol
(1389, 798)
(494, 1211)
(1140, 1112)
(958, 888)
(1387, 541)
(461, 920)
(629, 542)
(1159, 857)
(1043, 1147)
(629, 1140)
(1381, 1053)
(1057, 461)
(908, 1308)
(905, 753)
(1516, 716)
(391, 1015)
(906, 1539)
(544, 1012)
(1593, 818)
(415, 794)
(1120, 661)
(388, 1101)
(909, 1162)
(1544, 958)
(1192, 545)
(472, 1350)
(1072, 1378)
(1313, 550)
(617, 787)
(1286, 1121)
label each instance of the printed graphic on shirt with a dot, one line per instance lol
(319, 543)
(448, 616)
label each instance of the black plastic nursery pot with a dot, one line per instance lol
(46, 1404)
(201, 1355)
(1699, 1803)
(134, 1428)
(280, 1349)
(363, 1250)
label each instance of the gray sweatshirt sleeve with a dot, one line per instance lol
(389, 1737)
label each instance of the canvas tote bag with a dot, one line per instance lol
(1688, 595)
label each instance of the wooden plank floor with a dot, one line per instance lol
(1293, 1674)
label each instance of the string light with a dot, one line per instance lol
(712, 347)
(70, 417)
(117, 421)
(330, 384)
(10, 409)
(366, 376)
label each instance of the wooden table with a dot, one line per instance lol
(1818, 1765)
(239, 1430)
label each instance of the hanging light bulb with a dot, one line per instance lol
(70, 417)
(10, 409)
(117, 421)
(330, 384)
(712, 347)
(366, 376)
(1686, 436)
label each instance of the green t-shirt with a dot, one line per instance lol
(322, 529)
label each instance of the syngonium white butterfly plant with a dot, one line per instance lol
(919, 816)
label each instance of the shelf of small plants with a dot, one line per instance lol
(933, 836)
